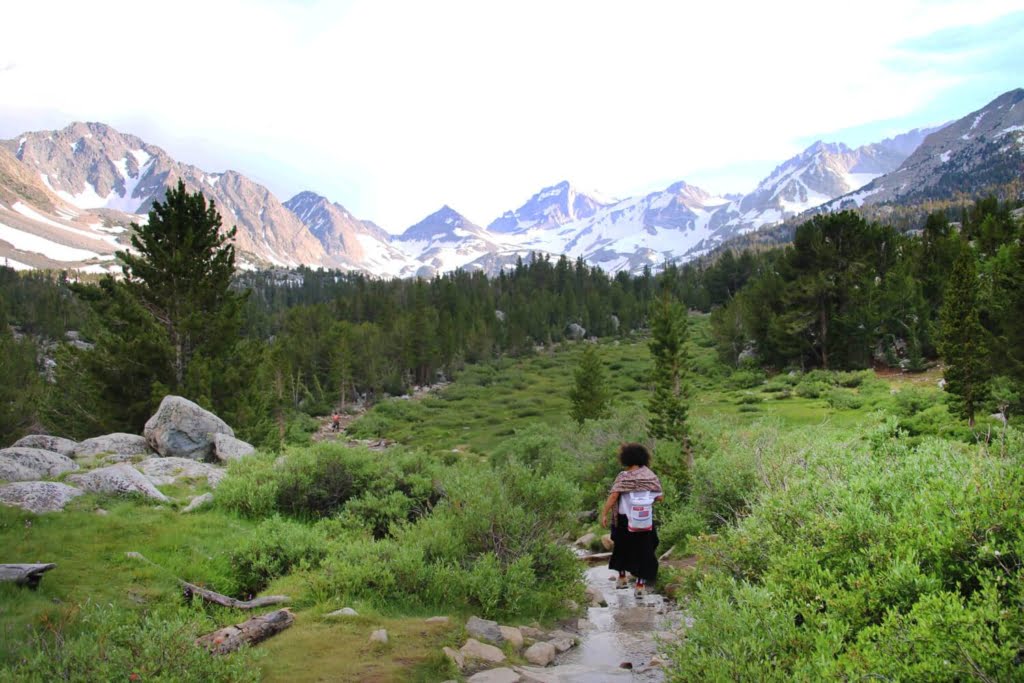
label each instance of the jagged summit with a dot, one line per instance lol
(552, 207)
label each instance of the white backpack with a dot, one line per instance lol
(640, 510)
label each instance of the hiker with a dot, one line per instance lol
(335, 421)
(633, 531)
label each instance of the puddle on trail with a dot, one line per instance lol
(624, 631)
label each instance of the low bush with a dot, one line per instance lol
(318, 481)
(272, 550)
(101, 642)
(843, 399)
(876, 558)
(811, 388)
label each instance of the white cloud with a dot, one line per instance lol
(394, 108)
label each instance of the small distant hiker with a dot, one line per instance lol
(335, 422)
(633, 530)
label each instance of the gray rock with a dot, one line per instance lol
(540, 654)
(585, 625)
(585, 540)
(502, 675)
(182, 429)
(343, 612)
(596, 597)
(484, 629)
(19, 463)
(38, 496)
(607, 542)
(198, 502)
(47, 443)
(512, 636)
(163, 471)
(531, 632)
(379, 636)
(118, 443)
(227, 448)
(474, 649)
(575, 331)
(454, 655)
(118, 480)
(561, 644)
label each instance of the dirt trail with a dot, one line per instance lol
(354, 411)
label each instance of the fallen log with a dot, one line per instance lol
(596, 557)
(664, 555)
(191, 589)
(249, 632)
(25, 574)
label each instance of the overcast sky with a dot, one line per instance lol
(395, 108)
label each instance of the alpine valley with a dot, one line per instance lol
(68, 197)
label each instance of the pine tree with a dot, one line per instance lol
(589, 396)
(669, 403)
(180, 270)
(961, 339)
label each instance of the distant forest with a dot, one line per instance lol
(845, 294)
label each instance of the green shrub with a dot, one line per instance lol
(272, 550)
(250, 488)
(318, 481)
(747, 378)
(872, 558)
(843, 399)
(747, 399)
(107, 643)
(748, 409)
(811, 388)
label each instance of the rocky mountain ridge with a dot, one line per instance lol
(67, 198)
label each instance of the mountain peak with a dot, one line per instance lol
(551, 207)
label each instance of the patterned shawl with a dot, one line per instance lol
(640, 479)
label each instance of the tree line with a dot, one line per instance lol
(262, 347)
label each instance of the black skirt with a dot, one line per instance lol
(634, 551)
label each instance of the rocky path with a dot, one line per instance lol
(618, 643)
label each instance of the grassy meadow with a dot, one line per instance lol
(469, 512)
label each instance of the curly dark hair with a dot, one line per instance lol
(634, 454)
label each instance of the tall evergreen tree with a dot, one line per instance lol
(589, 396)
(961, 339)
(669, 403)
(180, 270)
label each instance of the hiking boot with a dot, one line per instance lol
(639, 593)
(622, 582)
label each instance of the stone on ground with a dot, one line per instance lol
(47, 443)
(117, 443)
(484, 629)
(343, 612)
(502, 675)
(31, 464)
(38, 496)
(585, 540)
(227, 448)
(596, 597)
(454, 655)
(561, 644)
(474, 649)
(540, 654)
(607, 542)
(198, 502)
(531, 632)
(379, 636)
(182, 429)
(164, 471)
(118, 480)
(512, 636)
